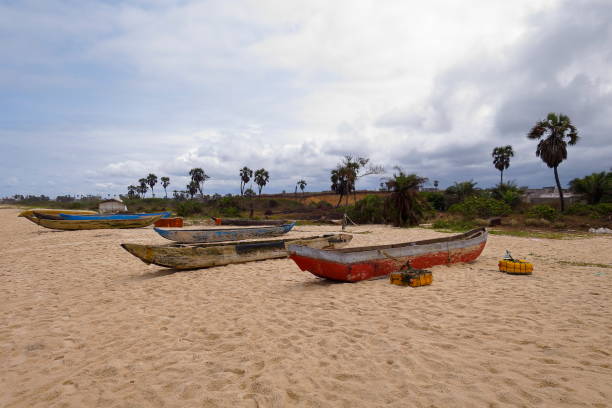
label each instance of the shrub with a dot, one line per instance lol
(368, 210)
(435, 199)
(481, 207)
(580, 209)
(188, 207)
(537, 222)
(603, 209)
(543, 211)
(454, 225)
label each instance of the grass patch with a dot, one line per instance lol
(453, 225)
(596, 265)
(536, 234)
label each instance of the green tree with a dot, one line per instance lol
(142, 188)
(165, 183)
(151, 181)
(192, 188)
(344, 177)
(552, 148)
(261, 178)
(501, 159)
(404, 205)
(460, 191)
(245, 176)
(132, 191)
(198, 177)
(302, 185)
(594, 187)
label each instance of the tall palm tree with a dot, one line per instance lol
(151, 181)
(165, 183)
(261, 178)
(404, 206)
(501, 159)
(594, 186)
(142, 188)
(552, 149)
(245, 176)
(198, 176)
(302, 185)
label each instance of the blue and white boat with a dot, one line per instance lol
(74, 217)
(189, 236)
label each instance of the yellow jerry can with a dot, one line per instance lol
(412, 277)
(515, 266)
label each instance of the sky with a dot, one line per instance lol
(97, 94)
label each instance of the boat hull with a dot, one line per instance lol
(72, 225)
(357, 264)
(246, 221)
(51, 211)
(191, 236)
(196, 256)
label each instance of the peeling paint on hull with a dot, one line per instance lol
(73, 225)
(356, 264)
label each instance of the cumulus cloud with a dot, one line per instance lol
(99, 94)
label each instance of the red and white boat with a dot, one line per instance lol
(361, 263)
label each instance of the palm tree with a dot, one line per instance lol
(142, 188)
(302, 185)
(435, 184)
(460, 191)
(198, 177)
(165, 183)
(132, 191)
(594, 187)
(245, 176)
(261, 178)
(192, 188)
(501, 159)
(552, 149)
(404, 205)
(151, 181)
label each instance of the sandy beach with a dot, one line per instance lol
(85, 324)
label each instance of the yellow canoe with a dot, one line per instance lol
(96, 224)
(52, 211)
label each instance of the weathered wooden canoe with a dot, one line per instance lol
(97, 224)
(191, 236)
(246, 221)
(27, 213)
(164, 214)
(194, 256)
(361, 263)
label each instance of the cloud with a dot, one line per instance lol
(99, 94)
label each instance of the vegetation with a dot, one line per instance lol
(543, 211)
(404, 206)
(301, 184)
(595, 187)
(198, 177)
(165, 183)
(245, 177)
(369, 210)
(501, 159)
(261, 178)
(152, 181)
(344, 177)
(481, 207)
(552, 148)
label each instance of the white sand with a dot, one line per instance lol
(85, 324)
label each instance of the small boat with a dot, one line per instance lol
(29, 214)
(246, 221)
(96, 224)
(194, 256)
(361, 263)
(191, 236)
(64, 216)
